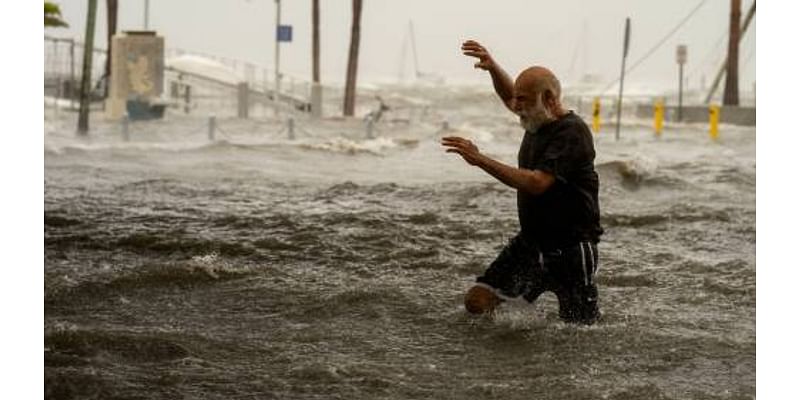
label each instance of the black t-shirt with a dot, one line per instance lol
(567, 212)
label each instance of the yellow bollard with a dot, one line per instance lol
(658, 116)
(596, 115)
(713, 121)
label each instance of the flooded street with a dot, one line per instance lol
(333, 266)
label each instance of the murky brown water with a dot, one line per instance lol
(333, 266)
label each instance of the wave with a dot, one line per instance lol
(349, 188)
(76, 347)
(626, 280)
(166, 244)
(58, 221)
(610, 219)
(675, 213)
(205, 269)
(343, 145)
(85, 147)
(737, 176)
(471, 131)
(369, 302)
(740, 292)
(425, 218)
(637, 173)
(74, 383)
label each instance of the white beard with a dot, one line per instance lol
(534, 120)
(529, 124)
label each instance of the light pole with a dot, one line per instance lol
(147, 15)
(277, 54)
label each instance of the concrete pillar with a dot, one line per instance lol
(137, 70)
(243, 99)
(316, 100)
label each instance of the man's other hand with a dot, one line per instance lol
(465, 148)
(474, 49)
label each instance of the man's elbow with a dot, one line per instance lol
(536, 189)
(539, 183)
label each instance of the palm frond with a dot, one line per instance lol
(52, 15)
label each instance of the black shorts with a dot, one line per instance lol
(521, 269)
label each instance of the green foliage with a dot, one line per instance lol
(52, 15)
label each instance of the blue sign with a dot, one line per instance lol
(284, 33)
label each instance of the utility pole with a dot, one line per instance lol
(86, 79)
(731, 95)
(724, 65)
(316, 87)
(352, 61)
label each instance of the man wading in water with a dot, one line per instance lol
(559, 216)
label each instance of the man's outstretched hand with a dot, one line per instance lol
(474, 49)
(463, 147)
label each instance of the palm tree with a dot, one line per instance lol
(111, 7)
(352, 61)
(52, 15)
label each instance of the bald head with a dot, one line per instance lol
(538, 80)
(537, 97)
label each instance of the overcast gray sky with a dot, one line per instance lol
(570, 36)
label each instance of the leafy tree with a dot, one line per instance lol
(52, 15)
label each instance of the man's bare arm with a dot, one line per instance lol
(503, 85)
(534, 182)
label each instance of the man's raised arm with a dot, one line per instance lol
(503, 85)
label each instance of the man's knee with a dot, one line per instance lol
(480, 300)
(579, 306)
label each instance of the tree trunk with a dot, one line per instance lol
(731, 95)
(111, 9)
(352, 61)
(86, 76)
(315, 41)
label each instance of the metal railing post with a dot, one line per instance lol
(212, 127)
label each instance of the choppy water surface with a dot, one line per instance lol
(333, 266)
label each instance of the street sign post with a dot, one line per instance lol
(626, 44)
(681, 57)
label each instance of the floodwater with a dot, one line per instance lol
(332, 266)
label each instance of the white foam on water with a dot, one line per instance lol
(212, 265)
(348, 146)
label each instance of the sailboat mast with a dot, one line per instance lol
(401, 69)
(414, 49)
